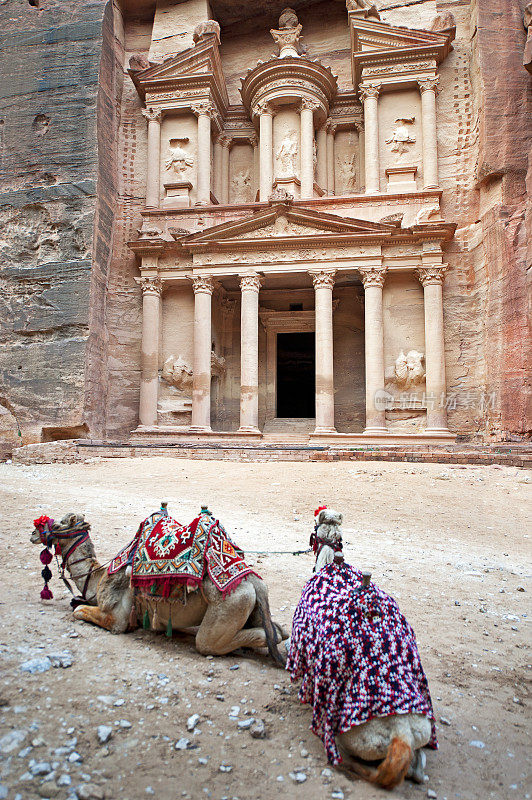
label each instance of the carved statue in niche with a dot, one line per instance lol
(348, 176)
(407, 371)
(401, 138)
(287, 153)
(241, 184)
(287, 37)
(178, 159)
(527, 20)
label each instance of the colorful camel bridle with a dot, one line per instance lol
(73, 536)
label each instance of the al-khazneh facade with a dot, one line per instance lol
(314, 203)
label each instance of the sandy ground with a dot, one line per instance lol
(451, 544)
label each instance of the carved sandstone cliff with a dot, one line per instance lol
(57, 190)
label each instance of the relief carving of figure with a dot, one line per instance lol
(348, 177)
(401, 138)
(407, 371)
(241, 185)
(178, 159)
(176, 372)
(287, 153)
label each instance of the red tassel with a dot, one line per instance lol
(46, 594)
(45, 556)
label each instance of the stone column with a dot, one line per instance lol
(225, 142)
(323, 288)
(203, 189)
(217, 166)
(201, 386)
(249, 354)
(254, 142)
(432, 279)
(428, 88)
(321, 177)
(266, 114)
(331, 130)
(153, 166)
(373, 280)
(369, 96)
(307, 147)
(361, 176)
(149, 382)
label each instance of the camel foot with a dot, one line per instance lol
(96, 616)
(416, 770)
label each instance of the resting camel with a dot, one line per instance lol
(395, 740)
(241, 619)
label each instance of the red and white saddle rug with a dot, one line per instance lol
(165, 554)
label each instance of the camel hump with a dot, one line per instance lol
(392, 770)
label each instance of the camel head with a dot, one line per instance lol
(55, 529)
(327, 538)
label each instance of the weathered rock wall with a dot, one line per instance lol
(58, 122)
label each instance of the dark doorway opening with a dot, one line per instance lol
(296, 379)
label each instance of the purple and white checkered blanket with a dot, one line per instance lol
(356, 655)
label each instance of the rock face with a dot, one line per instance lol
(57, 204)
(72, 186)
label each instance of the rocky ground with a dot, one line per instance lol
(451, 544)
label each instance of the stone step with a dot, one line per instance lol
(288, 426)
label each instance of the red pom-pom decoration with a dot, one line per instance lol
(45, 556)
(46, 594)
(41, 521)
(319, 508)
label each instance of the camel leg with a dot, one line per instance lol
(221, 629)
(95, 615)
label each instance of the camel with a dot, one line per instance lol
(240, 619)
(396, 740)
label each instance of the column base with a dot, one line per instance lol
(439, 431)
(249, 429)
(200, 429)
(323, 430)
(373, 430)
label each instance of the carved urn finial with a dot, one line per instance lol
(288, 35)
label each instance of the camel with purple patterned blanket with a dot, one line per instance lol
(205, 586)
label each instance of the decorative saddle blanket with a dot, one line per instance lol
(357, 656)
(165, 554)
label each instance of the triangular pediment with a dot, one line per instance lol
(283, 223)
(199, 61)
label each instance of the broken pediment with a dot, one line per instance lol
(376, 43)
(200, 62)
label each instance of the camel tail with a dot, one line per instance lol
(266, 619)
(392, 771)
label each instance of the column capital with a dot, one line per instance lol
(372, 276)
(324, 279)
(202, 283)
(225, 140)
(150, 285)
(263, 107)
(330, 126)
(203, 107)
(309, 104)
(253, 140)
(152, 114)
(250, 282)
(429, 84)
(370, 90)
(434, 275)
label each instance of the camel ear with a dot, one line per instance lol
(340, 518)
(322, 516)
